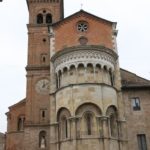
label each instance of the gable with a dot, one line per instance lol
(83, 13)
(67, 34)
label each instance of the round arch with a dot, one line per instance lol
(63, 111)
(88, 107)
(112, 109)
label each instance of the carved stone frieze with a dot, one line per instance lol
(84, 55)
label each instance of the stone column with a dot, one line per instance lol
(105, 136)
(73, 130)
(53, 135)
(102, 75)
(76, 74)
(122, 134)
(122, 123)
(85, 73)
(53, 116)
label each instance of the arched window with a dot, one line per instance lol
(87, 125)
(90, 73)
(43, 58)
(112, 124)
(39, 19)
(88, 119)
(112, 114)
(21, 121)
(42, 139)
(48, 18)
(64, 127)
(62, 117)
(19, 124)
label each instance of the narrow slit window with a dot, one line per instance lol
(89, 124)
(66, 125)
(44, 59)
(111, 78)
(43, 114)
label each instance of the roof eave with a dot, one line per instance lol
(126, 87)
(19, 103)
(82, 11)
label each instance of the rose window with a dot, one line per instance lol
(82, 27)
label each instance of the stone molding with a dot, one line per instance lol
(37, 67)
(42, 1)
(81, 84)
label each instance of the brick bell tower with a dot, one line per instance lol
(41, 14)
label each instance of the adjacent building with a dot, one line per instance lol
(2, 141)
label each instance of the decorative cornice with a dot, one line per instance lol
(42, 1)
(16, 132)
(82, 13)
(37, 125)
(85, 47)
(37, 67)
(135, 87)
(37, 25)
(90, 54)
(82, 84)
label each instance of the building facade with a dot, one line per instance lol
(2, 141)
(77, 97)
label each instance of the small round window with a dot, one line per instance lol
(82, 26)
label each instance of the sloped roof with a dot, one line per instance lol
(82, 12)
(19, 103)
(131, 80)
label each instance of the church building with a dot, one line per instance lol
(77, 96)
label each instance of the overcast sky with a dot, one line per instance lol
(133, 17)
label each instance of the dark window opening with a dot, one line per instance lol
(142, 142)
(44, 11)
(44, 59)
(21, 121)
(111, 78)
(19, 124)
(43, 113)
(88, 124)
(136, 103)
(66, 125)
(39, 19)
(44, 40)
(57, 82)
(48, 18)
(59, 79)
